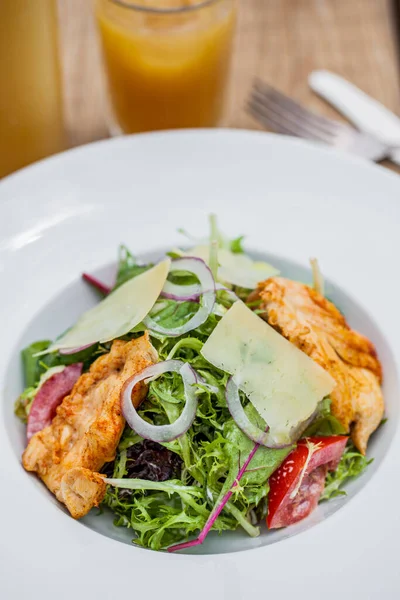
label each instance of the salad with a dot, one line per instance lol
(206, 392)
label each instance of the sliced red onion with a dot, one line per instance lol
(254, 433)
(96, 283)
(161, 433)
(174, 291)
(198, 267)
(68, 351)
(191, 293)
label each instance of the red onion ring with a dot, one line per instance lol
(174, 291)
(191, 293)
(198, 267)
(254, 433)
(68, 351)
(161, 433)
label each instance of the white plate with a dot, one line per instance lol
(294, 199)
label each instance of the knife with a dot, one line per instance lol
(367, 114)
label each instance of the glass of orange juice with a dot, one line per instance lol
(167, 61)
(31, 115)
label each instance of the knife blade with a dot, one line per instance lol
(366, 113)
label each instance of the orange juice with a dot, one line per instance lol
(166, 69)
(31, 124)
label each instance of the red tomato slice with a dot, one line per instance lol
(297, 485)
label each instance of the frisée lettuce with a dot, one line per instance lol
(212, 476)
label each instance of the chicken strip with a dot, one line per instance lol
(316, 327)
(86, 430)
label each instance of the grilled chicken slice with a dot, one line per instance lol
(316, 327)
(85, 432)
(81, 489)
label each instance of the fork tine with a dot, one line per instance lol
(280, 113)
(267, 119)
(318, 121)
(286, 113)
(282, 121)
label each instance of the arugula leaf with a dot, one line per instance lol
(236, 245)
(35, 366)
(31, 363)
(325, 423)
(325, 426)
(352, 464)
(85, 356)
(128, 267)
(265, 461)
(253, 484)
(23, 403)
(171, 314)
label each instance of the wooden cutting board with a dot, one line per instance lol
(281, 41)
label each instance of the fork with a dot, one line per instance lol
(278, 112)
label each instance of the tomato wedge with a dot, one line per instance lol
(296, 487)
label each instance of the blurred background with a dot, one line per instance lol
(58, 59)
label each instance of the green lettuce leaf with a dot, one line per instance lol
(128, 267)
(212, 451)
(236, 245)
(352, 464)
(32, 365)
(262, 465)
(37, 368)
(24, 402)
(325, 423)
(172, 314)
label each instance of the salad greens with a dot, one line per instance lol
(34, 367)
(38, 368)
(191, 476)
(23, 404)
(324, 422)
(212, 452)
(128, 267)
(352, 464)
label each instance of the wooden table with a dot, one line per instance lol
(278, 40)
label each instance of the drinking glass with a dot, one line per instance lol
(31, 115)
(167, 61)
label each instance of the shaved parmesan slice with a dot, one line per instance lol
(118, 313)
(236, 269)
(284, 384)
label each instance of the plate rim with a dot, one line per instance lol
(189, 132)
(231, 562)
